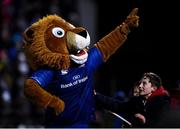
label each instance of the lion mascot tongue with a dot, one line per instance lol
(63, 66)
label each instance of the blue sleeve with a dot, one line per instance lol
(95, 58)
(43, 77)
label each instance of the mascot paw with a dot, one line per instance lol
(57, 104)
(132, 19)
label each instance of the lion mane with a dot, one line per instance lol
(35, 48)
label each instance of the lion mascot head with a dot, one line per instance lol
(52, 42)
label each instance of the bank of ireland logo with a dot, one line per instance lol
(76, 77)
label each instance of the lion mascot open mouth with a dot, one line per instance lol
(63, 66)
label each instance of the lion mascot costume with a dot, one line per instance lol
(63, 66)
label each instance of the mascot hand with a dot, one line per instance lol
(57, 104)
(132, 19)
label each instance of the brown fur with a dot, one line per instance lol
(38, 54)
(42, 98)
(111, 42)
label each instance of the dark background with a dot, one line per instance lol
(152, 47)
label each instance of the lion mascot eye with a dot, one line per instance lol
(58, 32)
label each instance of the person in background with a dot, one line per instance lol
(145, 109)
(136, 89)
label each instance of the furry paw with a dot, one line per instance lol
(57, 104)
(132, 19)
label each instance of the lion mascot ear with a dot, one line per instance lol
(29, 34)
(28, 37)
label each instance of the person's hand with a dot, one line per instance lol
(140, 117)
(132, 19)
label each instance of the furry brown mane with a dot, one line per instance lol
(38, 54)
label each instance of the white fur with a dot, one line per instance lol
(81, 41)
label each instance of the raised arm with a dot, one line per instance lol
(111, 42)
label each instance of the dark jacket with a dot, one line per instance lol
(153, 110)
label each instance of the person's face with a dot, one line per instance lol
(136, 90)
(146, 87)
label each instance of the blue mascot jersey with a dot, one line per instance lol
(75, 88)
